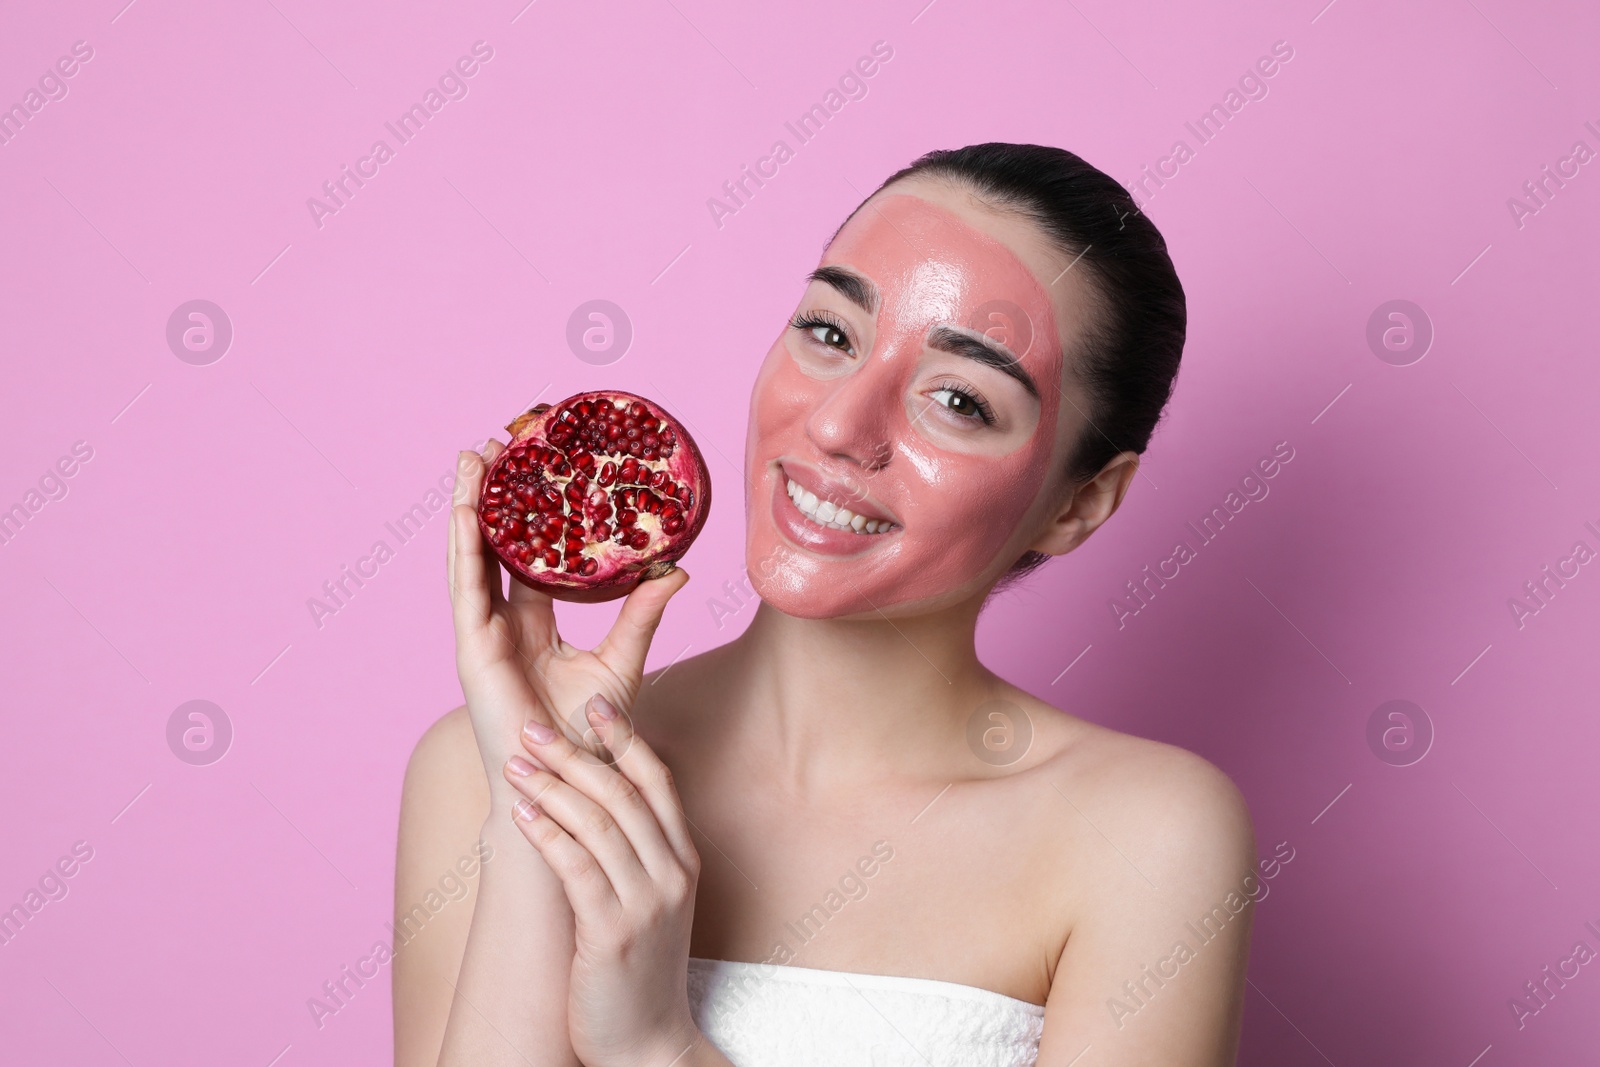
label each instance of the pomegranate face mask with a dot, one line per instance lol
(902, 427)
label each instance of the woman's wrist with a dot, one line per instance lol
(499, 826)
(694, 1051)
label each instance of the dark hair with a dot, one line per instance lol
(1128, 359)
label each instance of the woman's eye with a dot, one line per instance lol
(833, 337)
(960, 403)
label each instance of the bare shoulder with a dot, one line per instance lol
(1170, 811)
(446, 772)
(1154, 855)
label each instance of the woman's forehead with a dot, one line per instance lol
(931, 266)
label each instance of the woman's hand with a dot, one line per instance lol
(514, 666)
(616, 835)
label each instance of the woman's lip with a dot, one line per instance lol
(823, 489)
(813, 536)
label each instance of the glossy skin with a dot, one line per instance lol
(837, 719)
(866, 413)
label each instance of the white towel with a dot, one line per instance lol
(766, 1015)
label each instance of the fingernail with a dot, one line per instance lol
(603, 707)
(519, 766)
(539, 733)
(525, 811)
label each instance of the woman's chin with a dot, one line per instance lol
(815, 596)
(807, 600)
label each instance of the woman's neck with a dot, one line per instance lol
(826, 704)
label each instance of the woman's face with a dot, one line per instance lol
(918, 388)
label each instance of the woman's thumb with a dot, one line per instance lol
(628, 642)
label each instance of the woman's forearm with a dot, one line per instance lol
(510, 1001)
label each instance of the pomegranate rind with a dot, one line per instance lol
(532, 428)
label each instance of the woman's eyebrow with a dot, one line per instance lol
(976, 347)
(852, 286)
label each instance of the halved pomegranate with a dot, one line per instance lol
(594, 495)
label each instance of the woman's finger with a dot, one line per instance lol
(588, 890)
(652, 777)
(469, 577)
(610, 791)
(474, 574)
(625, 646)
(589, 824)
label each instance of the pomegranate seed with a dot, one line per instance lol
(602, 530)
(538, 544)
(491, 516)
(634, 448)
(672, 525)
(608, 474)
(628, 496)
(637, 410)
(668, 436)
(551, 558)
(549, 499)
(627, 517)
(638, 538)
(514, 529)
(588, 567)
(651, 440)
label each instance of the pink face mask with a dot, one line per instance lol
(881, 417)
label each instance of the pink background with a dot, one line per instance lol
(434, 305)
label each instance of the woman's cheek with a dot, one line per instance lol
(783, 395)
(977, 503)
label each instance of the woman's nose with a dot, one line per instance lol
(853, 419)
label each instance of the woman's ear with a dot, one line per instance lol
(1092, 504)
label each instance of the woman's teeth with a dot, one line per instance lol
(825, 513)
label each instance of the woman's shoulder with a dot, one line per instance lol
(1170, 804)
(444, 776)
(448, 740)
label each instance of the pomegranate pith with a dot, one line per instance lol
(594, 495)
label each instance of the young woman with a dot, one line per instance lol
(869, 848)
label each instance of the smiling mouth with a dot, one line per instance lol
(827, 514)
